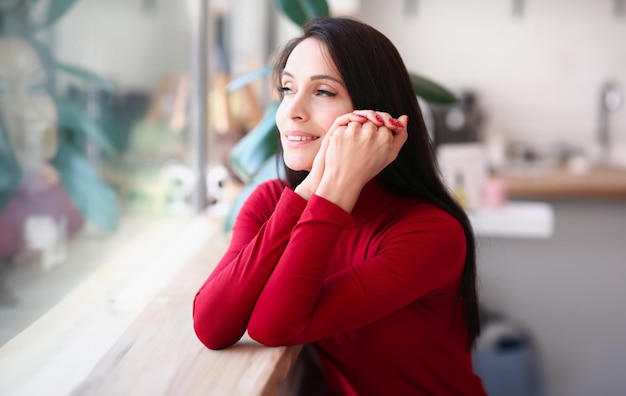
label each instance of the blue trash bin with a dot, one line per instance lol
(506, 361)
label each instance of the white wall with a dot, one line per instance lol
(124, 42)
(538, 75)
(568, 293)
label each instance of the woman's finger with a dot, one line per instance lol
(374, 116)
(381, 118)
(345, 120)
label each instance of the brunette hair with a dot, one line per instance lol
(376, 78)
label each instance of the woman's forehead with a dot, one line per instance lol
(311, 56)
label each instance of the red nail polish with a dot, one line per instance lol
(379, 119)
(362, 116)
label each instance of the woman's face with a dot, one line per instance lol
(314, 95)
(26, 107)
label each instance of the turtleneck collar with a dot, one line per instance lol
(372, 200)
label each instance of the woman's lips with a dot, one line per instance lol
(295, 139)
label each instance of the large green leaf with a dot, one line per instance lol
(10, 175)
(10, 172)
(93, 197)
(247, 78)
(430, 91)
(14, 24)
(56, 9)
(87, 76)
(268, 171)
(250, 153)
(299, 11)
(73, 118)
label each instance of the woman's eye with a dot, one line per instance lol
(323, 92)
(284, 90)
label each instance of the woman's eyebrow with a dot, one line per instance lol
(326, 77)
(316, 77)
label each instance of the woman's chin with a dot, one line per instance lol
(297, 164)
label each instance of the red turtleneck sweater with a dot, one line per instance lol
(374, 290)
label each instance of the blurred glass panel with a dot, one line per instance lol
(94, 140)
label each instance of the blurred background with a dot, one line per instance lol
(124, 121)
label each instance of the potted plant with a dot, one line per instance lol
(77, 133)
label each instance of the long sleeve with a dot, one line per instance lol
(374, 289)
(223, 304)
(422, 252)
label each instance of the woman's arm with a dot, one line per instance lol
(223, 305)
(301, 303)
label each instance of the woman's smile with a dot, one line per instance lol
(295, 139)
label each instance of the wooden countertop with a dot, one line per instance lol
(127, 329)
(160, 354)
(599, 182)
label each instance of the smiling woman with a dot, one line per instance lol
(360, 252)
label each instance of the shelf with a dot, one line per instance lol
(517, 219)
(559, 183)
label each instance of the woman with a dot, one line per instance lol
(361, 252)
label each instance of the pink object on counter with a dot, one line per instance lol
(495, 194)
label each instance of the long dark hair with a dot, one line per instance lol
(376, 78)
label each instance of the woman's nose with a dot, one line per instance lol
(297, 107)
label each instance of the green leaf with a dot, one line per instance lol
(14, 24)
(10, 176)
(73, 118)
(430, 91)
(268, 171)
(10, 171)
(56, 10)
(89, 77)
(93, 197)
(299, 11)
(250, 153)
(247, 78)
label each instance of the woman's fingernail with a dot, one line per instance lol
(395, 122)
(379, 119)
(362, 116)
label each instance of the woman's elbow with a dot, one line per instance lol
(212, 339)
(269, 335)
(264, 338)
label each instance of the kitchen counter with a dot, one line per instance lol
(515, 219)
(599, 182)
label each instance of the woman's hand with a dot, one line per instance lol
(356, 151)
(309, 185)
